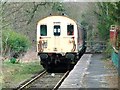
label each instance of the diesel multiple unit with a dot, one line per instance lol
(60, 42)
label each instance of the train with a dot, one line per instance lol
(60, 42)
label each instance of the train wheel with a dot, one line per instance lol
(69, 65)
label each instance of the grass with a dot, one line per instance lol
(13, 74)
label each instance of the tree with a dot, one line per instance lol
(14, 43)
(57, 8)
(108, 14)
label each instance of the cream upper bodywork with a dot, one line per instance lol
(58, 44)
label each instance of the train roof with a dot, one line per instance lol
(57, 16)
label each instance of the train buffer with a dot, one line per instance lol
(91, 72)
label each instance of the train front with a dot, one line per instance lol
(58, 42)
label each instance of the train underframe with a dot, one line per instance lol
(56, 61)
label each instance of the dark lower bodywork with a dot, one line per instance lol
(53, 61)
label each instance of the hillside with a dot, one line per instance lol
(19, 16)
(22, 17)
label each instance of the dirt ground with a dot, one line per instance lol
(30, 56)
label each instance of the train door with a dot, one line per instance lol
(57, 40)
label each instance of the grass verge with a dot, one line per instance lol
(13, 74)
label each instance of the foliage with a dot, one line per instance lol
(107, 14)
(108, 50)
(31, 13)
(13, 60)
(14, 43)
(57, 7)
(87, 27)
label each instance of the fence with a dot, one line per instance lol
(95, 46)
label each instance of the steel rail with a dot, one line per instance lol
(30, 81)
(60, 81)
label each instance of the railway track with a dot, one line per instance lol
(61, 80)
(28, 82)
(44, 80)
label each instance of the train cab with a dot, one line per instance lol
(59, 40)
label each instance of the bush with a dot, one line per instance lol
(13, 60)
(108, 50)
(14, 43)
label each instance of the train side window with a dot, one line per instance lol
(70, 29)
(56, 30)
(43, 30)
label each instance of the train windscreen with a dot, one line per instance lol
(70, 29)
(43, 30)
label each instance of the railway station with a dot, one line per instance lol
(61, 44)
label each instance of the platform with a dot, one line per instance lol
(91, 72)
(75, 77)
